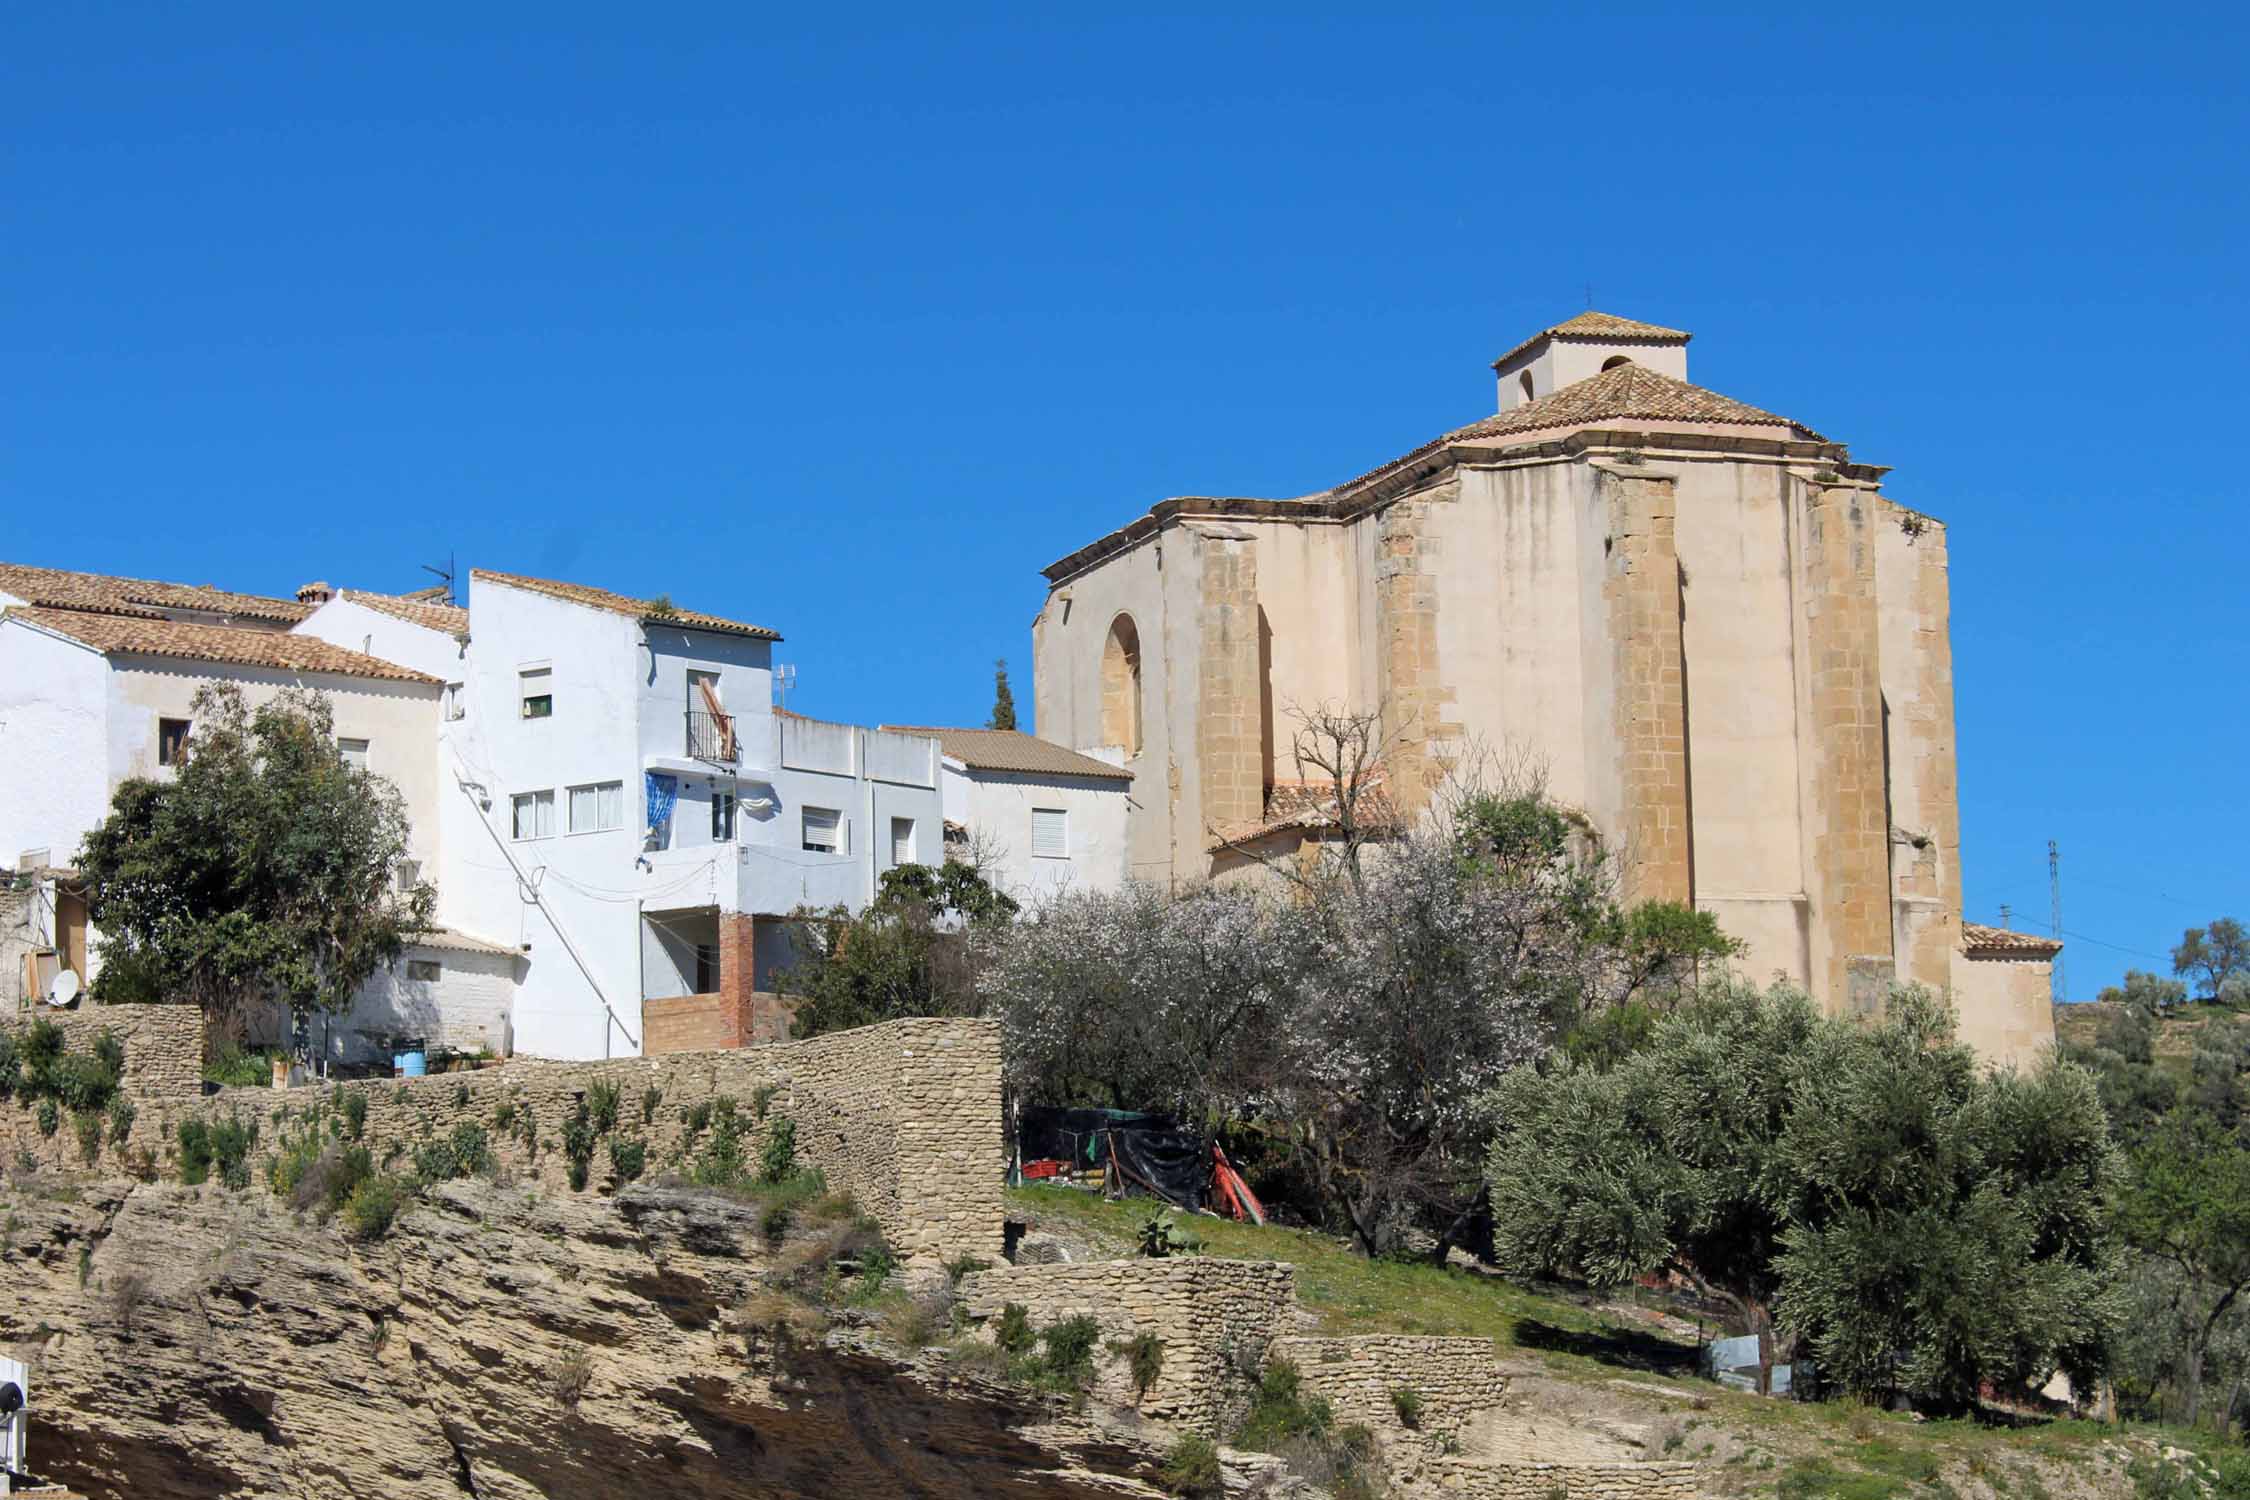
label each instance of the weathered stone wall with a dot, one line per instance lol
(1495, 1479)
(1454, 1378)
(163, 1043)
(1229, 733)
(1641, 588)
(1217, 1319)
(906, 1115)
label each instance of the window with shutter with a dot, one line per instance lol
(354, 753)
(902, 841)
(825, 831)
(538, 692)
(1050, 833)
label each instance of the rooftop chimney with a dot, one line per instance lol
(316, 592)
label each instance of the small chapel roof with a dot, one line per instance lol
(1595, 325)
(1632, 391)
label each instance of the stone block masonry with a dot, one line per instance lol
(1453, 1378)
(1216, 1317)
(163, 1043)
(1641, 588)
(1500, 1479)
(905, 1115)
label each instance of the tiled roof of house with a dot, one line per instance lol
(1591, 324)
(430, 614)
(1013, 750)
(1977, 938)
(56, 588)
(1310, 807)
(135, 635)
(643, 610)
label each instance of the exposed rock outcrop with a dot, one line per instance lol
(503, 1342)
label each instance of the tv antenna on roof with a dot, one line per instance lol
(784, 678)
(445, 574)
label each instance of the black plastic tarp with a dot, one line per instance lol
(1152, 1154)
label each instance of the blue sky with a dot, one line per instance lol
(848, 324)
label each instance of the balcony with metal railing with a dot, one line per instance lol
(712, 737)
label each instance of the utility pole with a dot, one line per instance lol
(2060, 992)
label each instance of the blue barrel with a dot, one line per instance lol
(415, 1064)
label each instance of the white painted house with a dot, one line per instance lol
(98, 678)
(1039, 819)
(622, 806)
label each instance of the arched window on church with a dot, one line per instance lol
(1614, 361)
(1121, 686)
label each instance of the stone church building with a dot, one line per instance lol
(1728, 648)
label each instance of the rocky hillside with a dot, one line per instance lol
(501, 1342)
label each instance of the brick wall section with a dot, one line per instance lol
(905, 1115)
(1849, 865)
(1455, 1378)
(690, 1023)
(163, 1043)
(1230, 728)
(1641, 588)
(1217, 1318)
(1489, 1479)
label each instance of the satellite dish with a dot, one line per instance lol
(64, 990)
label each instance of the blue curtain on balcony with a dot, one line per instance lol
(663, 791)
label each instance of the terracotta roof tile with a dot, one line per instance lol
(115, 635)
(56, 588)
(430, 614)
(1632, 392)
(1976, 938)
(1013, 750)
(620, 604)
(1600, 325)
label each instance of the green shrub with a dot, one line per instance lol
(50, 1117)
(88, 1125)
(1282, 1412)
(351, 1107)
(1407, 1402)
(1070, 1349)
(650, 1098)
(374, 1204)
(504, 1117)
(628, 1157)
(1817, 1479)
(601, 1106)
(777, 1159)
(232, 1140)
(1144, 1361)
(578, 1146)
(460, 1096)
(230, 1067)
(195, 1152)
(761, 1098)
(467, 1152)
(965, 1265)
(1012, 1329)
(11, 1066)
(695, 1118)
(122, 1112)
(774, 1222)
(1191, 1469)
(722, 1164)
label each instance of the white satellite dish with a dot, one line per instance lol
(64, 989)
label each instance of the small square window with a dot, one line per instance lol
(171, 741)
(537, 685)
(354, 753)
(534, 815)
(722, 817)
(424, 970)
(1050, 833)
(407, 873)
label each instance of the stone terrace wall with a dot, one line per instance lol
(1455, 1378)
(905, 1115)
(163, 1043)
(1490, 1479)
(1216, 1317)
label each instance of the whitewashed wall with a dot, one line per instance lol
(999, 805)
(54, 764)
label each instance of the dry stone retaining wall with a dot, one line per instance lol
(905, 1115)
(1490, 1479)
(1455, 1378)
(1216, 1318)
